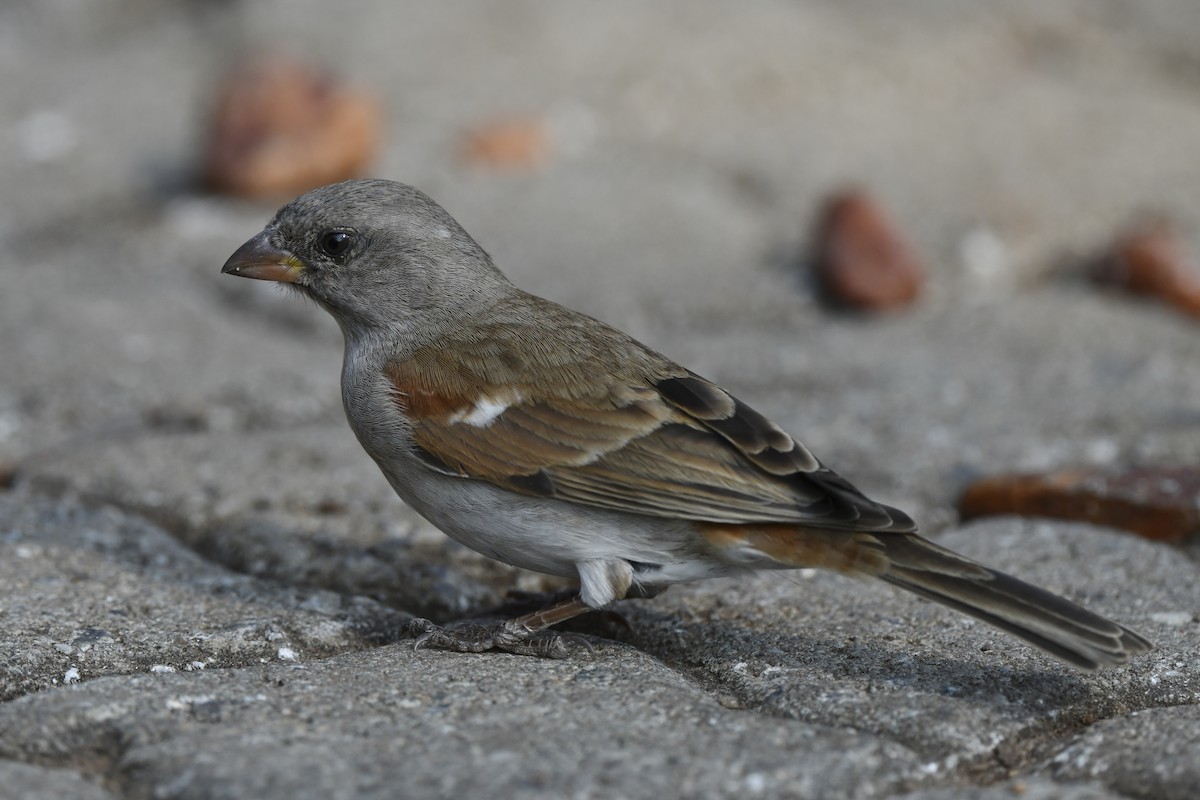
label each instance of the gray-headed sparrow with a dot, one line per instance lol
(545, 439)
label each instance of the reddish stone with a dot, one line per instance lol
(1149, 260)
(862, 261)
(1161, 503)
(280, 128)
(507, 144)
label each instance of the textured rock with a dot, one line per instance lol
(1022, 789)
(838, 653)
(92, 592)
(25, 781)
(428, 724)
(1152, 754)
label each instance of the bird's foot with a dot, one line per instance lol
(509, 636)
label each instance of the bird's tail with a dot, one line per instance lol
(904, 559)
(1045, 620)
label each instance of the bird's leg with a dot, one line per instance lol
(525, 635)
(518, 602)
(604, 622)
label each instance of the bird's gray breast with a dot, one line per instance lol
(369, 400)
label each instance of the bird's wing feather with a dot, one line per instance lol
(663, 443)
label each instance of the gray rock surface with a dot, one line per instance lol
(25, 780)
(394, 721)
(1023, 789)
(1151, 753)
(203, 581)
(91, 592)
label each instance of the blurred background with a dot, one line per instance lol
(1047, 125)
(668, 167)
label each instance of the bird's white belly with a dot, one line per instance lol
(534, 533)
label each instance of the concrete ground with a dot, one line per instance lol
(203, 580)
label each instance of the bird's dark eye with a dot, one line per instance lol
(336, 243)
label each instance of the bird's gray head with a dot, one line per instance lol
(379, 255)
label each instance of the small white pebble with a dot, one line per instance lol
(1176, 619)
(1102, 451)
(274, 635)
(71, 676)
(286, 654)
(1168, 486)
(159, 669)
(985, 258)
(755, 782)
(64, 648)
(9, 424)
(46, 135)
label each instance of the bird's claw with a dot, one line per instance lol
(504, 636)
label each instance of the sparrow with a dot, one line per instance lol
(545, 439)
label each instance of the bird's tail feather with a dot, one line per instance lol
(1041, 618)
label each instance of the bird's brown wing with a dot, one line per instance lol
(667, 445)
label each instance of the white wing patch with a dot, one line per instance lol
(483, 413)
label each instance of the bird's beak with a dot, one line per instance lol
(261, 260)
